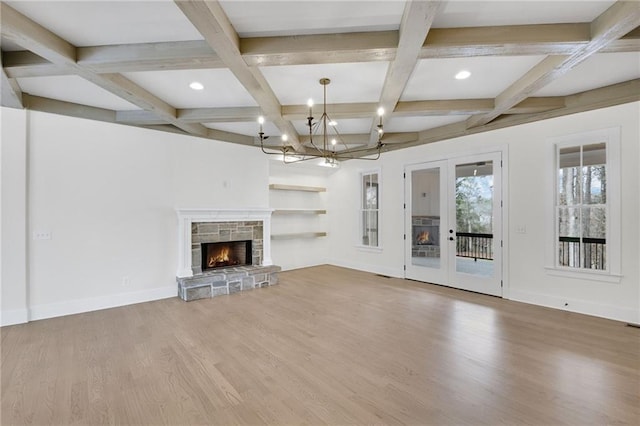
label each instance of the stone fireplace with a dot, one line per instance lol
(224, 251)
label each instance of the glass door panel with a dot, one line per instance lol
(474, 218)
(425, 233)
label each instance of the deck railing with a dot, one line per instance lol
(591, 250)
(473, 245)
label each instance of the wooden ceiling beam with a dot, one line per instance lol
(604, 97)
(551, 39)
(44, 43)
(210, 20)
(363, 138)
(320, 48)
(23, 63)
(70, 109)
(10, 93)
(417, 17)
(614, 23)
(334, 111)
(193, 115)
(345, 111)
(541, 39)
(220, 115)
(149, 57)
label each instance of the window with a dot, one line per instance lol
(586, 203)
(370, 209)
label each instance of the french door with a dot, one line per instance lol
(453, 223)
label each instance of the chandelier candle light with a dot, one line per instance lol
(327, 151)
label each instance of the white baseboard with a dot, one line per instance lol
(575, 305)
(375, 269)
(71, 307)
(291, 267)
(12, 317)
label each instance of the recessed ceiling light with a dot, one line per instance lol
(462, 75)
(196, 85)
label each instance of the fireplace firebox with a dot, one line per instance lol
(228, 253)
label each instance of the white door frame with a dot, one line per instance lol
(503, 192)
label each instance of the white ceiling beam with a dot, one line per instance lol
(614, 23)
(416, 22)
(39, 40)
(211, 21)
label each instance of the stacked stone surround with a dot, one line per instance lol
(426, 250)
(217, 232)
(226, 281)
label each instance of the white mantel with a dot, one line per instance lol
(188, 216)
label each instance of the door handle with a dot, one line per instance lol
(451, 238)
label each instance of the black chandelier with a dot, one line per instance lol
(326, 149)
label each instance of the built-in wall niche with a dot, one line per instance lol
(296, 211)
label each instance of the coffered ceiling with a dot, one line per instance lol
(132, 62)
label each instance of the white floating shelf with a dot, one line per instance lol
(298, 235)
(296, 188)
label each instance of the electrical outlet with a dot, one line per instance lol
(126, 281)
(522, 229)
(41, 235)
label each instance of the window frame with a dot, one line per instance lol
(611, 138)
(362, 209)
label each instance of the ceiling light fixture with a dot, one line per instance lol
(326, 147)
(196, 85)
(463, 75)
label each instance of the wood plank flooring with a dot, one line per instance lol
(325, 346)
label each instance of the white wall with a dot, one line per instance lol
(530, 165)
(299, 252)
(13, 213)
(107, 194)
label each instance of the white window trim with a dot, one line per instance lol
(613, 250)
(359, 244)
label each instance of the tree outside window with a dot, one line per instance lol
(581, 206)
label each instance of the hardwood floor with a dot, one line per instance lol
(325, 346)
